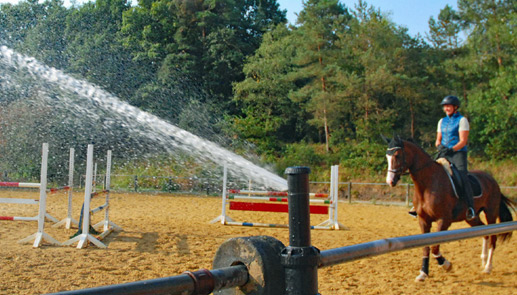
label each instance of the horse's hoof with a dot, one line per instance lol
(487, 270)
(421, 277)
(447, 266)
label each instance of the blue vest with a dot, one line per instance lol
(450, 128)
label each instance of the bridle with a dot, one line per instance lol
(400, 171)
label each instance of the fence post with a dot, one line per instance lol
(136, 183)
(407, 194)
(300, 259)
(350, 192)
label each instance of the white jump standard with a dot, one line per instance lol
(40, 234)
(84, 236)
(68, 221)
(277, 202)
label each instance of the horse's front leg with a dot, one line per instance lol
(425, 226)
(442, 262)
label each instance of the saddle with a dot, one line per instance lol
(456, 181)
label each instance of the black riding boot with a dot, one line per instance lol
(471, 213)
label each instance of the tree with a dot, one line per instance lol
(492, 48)
(95, 49)
(202, 41)
(269, 117)
(320, 23)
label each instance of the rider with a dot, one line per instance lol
(451, 140)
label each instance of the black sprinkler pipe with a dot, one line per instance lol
(300, 258)
(201, 282)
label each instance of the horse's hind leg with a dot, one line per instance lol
(487, 250)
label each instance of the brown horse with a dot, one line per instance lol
(435, 199)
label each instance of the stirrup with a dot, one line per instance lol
(471, 214)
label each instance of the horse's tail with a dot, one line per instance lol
(505, 214)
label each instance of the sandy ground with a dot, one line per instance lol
(165, 235)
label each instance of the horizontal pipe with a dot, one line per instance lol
(18, 201)
(359, 251)
(222, 278)
(101, 207)
(19, 184)
(19, 218)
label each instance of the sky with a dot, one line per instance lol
(412, 14)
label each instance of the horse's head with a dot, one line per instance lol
(396, 160)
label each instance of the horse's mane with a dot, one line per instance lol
(399, 142)
(410, 141)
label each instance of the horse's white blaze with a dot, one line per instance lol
(390, 176)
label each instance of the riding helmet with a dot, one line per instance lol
(450, 99)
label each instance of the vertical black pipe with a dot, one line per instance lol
(300, 259)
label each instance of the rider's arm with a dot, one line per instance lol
(464, 134)
(464, 138)
(438, 139)
(438, 134)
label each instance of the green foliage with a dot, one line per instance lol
(315, 94)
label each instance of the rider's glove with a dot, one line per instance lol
(443, 150)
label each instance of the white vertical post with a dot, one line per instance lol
(94, 180)
(87, 195)
(43, 189)
(225, 179)
(70, 186)
(223, 218)
(69, 220)
(108, 186)
(333, 222)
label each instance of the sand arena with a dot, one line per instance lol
(165, 235)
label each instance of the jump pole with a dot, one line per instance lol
(85, 235)
(40, 235)
(19, 201)
(68, 221)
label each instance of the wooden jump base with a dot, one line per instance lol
(40, 234)
(273, 201)
(84, 236)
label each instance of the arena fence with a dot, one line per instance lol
(349, 191)
(264, 266)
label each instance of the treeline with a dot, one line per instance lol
(317, 92)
